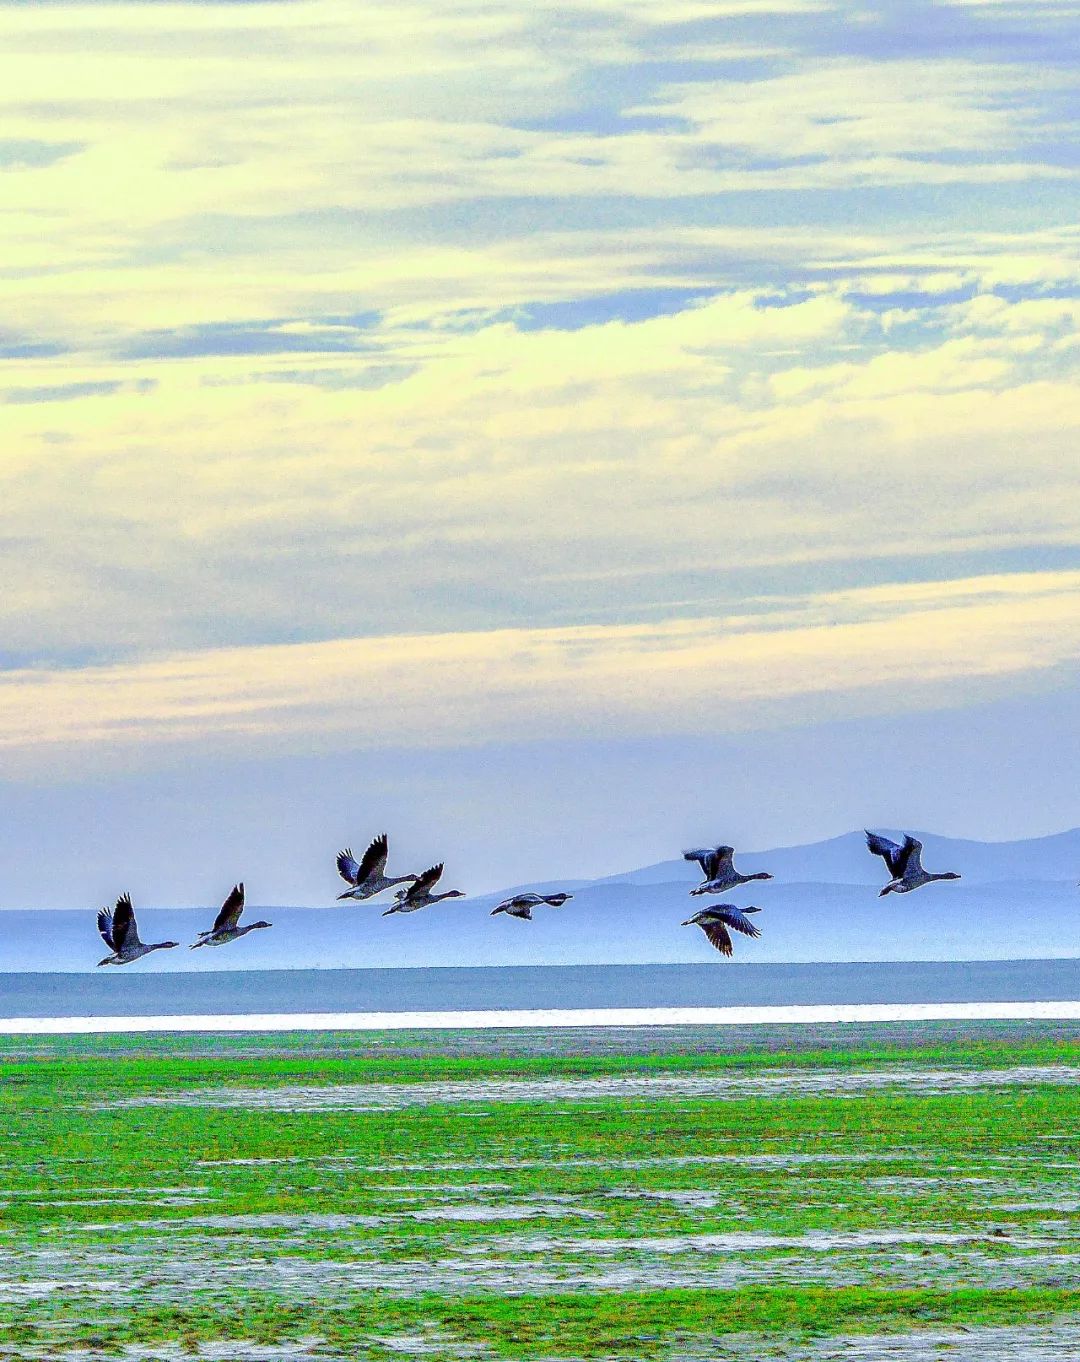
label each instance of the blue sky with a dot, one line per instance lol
(418, 394)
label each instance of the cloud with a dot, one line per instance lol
(29, 153)
(225, 114)
(916, 646)
(60, 392)
(351, 321)
(857, 113)
(481, 476)
(261, 338)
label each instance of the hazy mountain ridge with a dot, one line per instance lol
(845, 860)
(814, 910)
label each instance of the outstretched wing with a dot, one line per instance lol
(423, 883)
(523, 900)
(125, 931)
(231, 909)
(348, 867)
(702, 856)
(373, 861)
(737, 919)
(721, 861)
(894, 856)
(519, 905)
(718, 937)
(910, 856)
(104, 926)
(712, 860)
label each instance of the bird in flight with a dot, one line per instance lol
(367, 877)
(715, 921)
(225, 926)
(120, 933)
(521, 905)
(904, 863)
(719, 871)
(419, 895)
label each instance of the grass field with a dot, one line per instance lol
(747, 1193)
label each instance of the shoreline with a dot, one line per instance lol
(474, 1020)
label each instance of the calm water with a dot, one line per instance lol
(128, 993)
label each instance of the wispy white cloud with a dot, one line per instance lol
(856, 110)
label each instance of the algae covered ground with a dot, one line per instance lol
(784, 1192)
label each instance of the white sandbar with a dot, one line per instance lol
(584, 1016)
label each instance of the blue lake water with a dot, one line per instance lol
(130, 993)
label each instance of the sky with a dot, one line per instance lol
(552, 434)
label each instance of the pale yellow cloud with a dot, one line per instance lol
(874, 650)
(184, 116)
(246, 165)
(513, 468)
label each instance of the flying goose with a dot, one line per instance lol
(521, 905)
(367, 877)
(720, 874)
(714, 922)
(120, 933)
(419, 895)
(225, 928)
(905, 864)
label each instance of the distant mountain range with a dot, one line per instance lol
(1016, 900)
(845, 860)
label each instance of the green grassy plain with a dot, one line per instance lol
(331, 1191)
